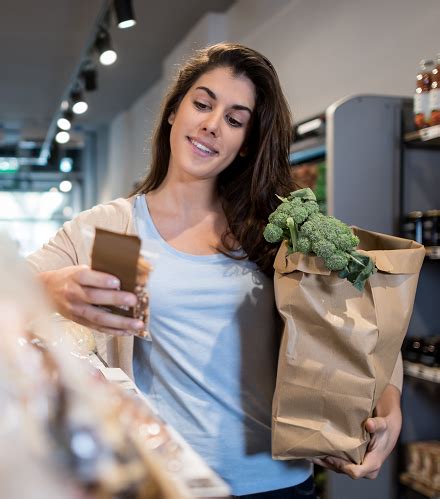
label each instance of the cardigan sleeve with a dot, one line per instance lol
(68, 246)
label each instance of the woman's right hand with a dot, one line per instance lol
(77, 290)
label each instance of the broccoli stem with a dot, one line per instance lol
(356, 260)
(293, 231)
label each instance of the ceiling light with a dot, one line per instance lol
(62, 137)
(66, 165)
(65, 121)
(79, 104)
(124, 13)
(65, 186)
(107, 55)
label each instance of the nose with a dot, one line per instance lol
(211, 124)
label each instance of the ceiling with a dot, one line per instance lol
(41, 46)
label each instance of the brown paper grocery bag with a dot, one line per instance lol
(339, 346)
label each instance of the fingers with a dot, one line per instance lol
(104, 321)
(376, 425)
(369, 469)
(85, 276)
(98, 296)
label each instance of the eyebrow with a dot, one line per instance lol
(211, 94)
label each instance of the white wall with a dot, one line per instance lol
(322, 49)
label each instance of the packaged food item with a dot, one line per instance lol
(434, 94)
(431, 228)
(421, 97)
(423, 467)
(120, 255)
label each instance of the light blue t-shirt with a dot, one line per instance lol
(211, 365)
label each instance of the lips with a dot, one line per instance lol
(202, 147)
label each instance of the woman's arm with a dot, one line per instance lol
(384, 428)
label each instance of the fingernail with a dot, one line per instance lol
(130, 300)
(114, 283)
(138, 325)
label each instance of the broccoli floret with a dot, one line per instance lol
(299, 214)
(337, 261)
(347, 242)
(311, 228)
(323, 248)
(278, 218)
(303, 245)
(311, 207)
(272, 233)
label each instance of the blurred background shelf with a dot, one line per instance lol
(420, 371)
(425, 137)
(422, 489)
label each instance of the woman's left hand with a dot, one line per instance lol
(384, 429)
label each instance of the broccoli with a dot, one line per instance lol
(298, 221)
(273, 233)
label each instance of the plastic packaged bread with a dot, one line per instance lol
(119, 255)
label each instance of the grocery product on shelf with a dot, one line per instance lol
(423, 467)
(421, 97)
(434, 94)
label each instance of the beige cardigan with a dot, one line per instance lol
(68, 248)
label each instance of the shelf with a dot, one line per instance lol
(420, 371)
(427, 136)
(407, 480)
(432, 252)
(305, 155)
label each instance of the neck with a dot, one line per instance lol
(187, 196)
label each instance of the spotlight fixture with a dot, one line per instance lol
(65, 186)
(65, 121)
(66, 165)
(62, 137)
(89, 77)
(107, 55)
(124, 13)
(79, 104)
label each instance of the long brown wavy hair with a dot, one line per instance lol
(248, 185)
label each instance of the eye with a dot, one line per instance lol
(233, 122)
(201, 105)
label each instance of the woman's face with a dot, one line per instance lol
(210, 125)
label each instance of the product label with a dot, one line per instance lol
(434, 99)
(421, 104)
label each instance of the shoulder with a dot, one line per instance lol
(116, 215)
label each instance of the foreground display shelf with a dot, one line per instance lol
(192, 475)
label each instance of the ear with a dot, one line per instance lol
(171, 118)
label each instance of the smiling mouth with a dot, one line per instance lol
(202, 148)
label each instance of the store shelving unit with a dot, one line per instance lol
(378, 169)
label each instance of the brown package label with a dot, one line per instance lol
(117, 254)
(339, 346)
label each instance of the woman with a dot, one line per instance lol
(219, 155)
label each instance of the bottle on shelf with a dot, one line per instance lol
(434, 94)
(421, 97)
(431, 228)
